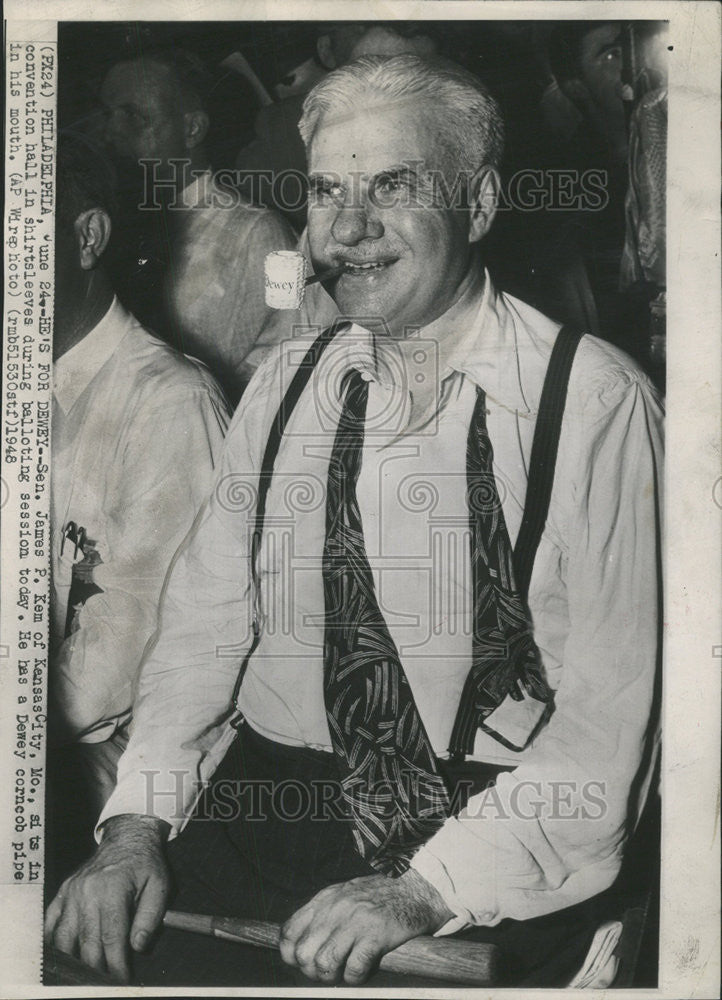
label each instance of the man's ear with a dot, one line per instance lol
(92, 232)
(196, 124)
(485, 188)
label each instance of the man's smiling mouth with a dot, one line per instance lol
(368, 266)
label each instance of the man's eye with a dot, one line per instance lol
(389, 185)
(612, 55)
(387, 190)
(324, 192)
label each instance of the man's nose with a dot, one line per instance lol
(356, 222)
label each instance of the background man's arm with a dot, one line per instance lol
(167, 468)
(182, 708)
(180, 726)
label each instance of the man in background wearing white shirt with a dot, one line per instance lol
(137, 429)
(347, 615)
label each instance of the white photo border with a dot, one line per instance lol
(689, 921)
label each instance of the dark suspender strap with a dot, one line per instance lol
(541, 466)
(544, 456)
(288, 404)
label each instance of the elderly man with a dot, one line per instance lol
(356, 619)
(136, 430)
(209, 240)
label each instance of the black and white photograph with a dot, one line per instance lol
(361, 639)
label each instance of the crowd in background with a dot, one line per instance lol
(580, 233)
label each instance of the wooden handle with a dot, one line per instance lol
(443, 958)
(436, 958)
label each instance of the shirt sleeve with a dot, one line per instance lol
(551, 833)
(183, 708)
(166, 469)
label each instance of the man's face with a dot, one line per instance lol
(144, 113)
(601, 63)
(371, 208)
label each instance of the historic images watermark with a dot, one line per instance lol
(411, 185)
(294, 801)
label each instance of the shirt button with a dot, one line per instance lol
(366, 376)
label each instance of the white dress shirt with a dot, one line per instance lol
(136, 429)
(593, 595)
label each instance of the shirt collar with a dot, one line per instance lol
(489, 353)
(74, 371)
(490, 341)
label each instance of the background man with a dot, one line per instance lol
(205, 292)
(586, 60)
(371, 658)
(277, 146)
(136, 430)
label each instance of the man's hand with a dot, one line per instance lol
(116, 897)
(346, 928)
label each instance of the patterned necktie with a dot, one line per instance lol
(390, 782)
(389, 775)
(504, 658)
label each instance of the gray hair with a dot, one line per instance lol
(470, 119)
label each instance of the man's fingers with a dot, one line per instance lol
(52, 917)
(65, 936)
(114, 935)
(322, 949)
(361, 962)
(149, 913)
(95, 908)
(346, 928)
(331, 957)
(297, 923)
(292, 930)
(116, 959)
(307, 947)
(90, 942)
(63, 922)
